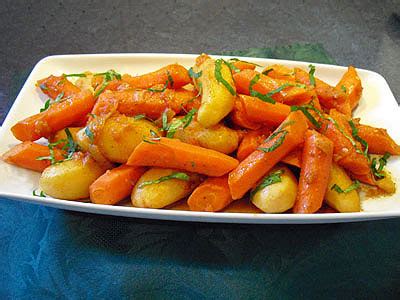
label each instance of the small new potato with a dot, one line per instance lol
(218, 137)
(70, 180)
(159, 195)
(277, 197)
(121, 134)
(216, 100)
(342, 202)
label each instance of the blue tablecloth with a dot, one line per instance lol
(47, 253)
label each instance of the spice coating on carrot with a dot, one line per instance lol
(350, 84)
(315, 172)
(172, 153)
(378, 140)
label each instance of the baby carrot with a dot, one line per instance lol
(212, 195)
(283, 140)
(251, 140)
(55, 85)
(293, 158)
(378, 140)
(25, 155)
(279, 72)
(175, 76)
(315, 171)
(58, 116)
(350, 84)
(115, 185)
(172, 153)
(240, 118)
(243, 65)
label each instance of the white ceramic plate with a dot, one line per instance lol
(378, 107)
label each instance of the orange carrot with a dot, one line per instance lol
(201, 59)
(25, 155)
(243, 65)
(179, 74)
(315, 171)
(172, 153)
(279, 72)
(287, 137)
(212, 195)
(115, 185)
(239, 117)
(263, 112)
(58, 116)
(351, 85)
(113, 85)
(55, 85)
(329, 96)
(251, 140)
(294, 157)
(379, 141)
(347, 151)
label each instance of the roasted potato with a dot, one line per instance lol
(159, 195)
(120, 135)
(386, 183)
(217, 137)
(342, 202)
(217, 101)
(279, 196)
(70, 180)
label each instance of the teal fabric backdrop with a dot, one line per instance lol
(47, 253)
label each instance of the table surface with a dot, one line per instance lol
(359, 259)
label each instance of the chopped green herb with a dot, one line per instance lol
(101, 89)
(51, 157)
(220, 78)
(109, 75)
(233, 68)
(355, 185)
(75, 75)
(266, 72)
(304, 109)
(43, 195)
(193, 74)
(89, 134)
(377, 171)
(268, 180)
(343, 88)
(139, 117)
(277, 142)
(46, 106)
(354, 133)
(169, 81)
(70, 146)
(300, 85)
(176, 175)
(153, 139)
(311, 75)
(178, 123)
(260, 96)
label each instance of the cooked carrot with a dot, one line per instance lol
(212, 195)
(314, 174)
(351, 85)
(347, 151)
(379, 141)
(115, 185)
(287, 137)
(58, 116)
(113, 85)
(243, 65)
(240, 118)
(294, 157)
(55, 85)
(201, 59)
(251, 140)
(279, 72)
(263, 112)
(25, 155)
(172, 153)
(179, 74)
(329, 96)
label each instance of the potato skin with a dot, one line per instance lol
(70, 180)
(164, 193)
(342, 202)
(218, 137)
(277, 197)
(120, 135)
(216, 101)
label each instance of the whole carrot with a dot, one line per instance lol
(115, 185)
(212, 195)
(58, 116)
(174, 76)
(315, 172)
(26, 154)
(55, 85)
(172, 153)
(283, 140)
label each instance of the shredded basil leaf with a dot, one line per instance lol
(355, 185)
(220, 78)
(354, 133)
(311, 75)
(277, 142)
(75, 75)
(51, 157)
(48, 103)
(176, 175)
(46, 106)
(178, 123)
(268, 180)
(193, 74)
(266, 97)
(266, 72)
(377, 171)
(169, 80)
(109, 75)
(101, 89)
(304, 109)
(70, 146)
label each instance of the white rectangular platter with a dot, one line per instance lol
(378, 107)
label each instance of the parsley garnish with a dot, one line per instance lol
(193, 74)
(355, 185)
(220, 78)
(311, 74)
(268, 180)
(178, 123)
(176, 175)
(43, 195)
(377, 171)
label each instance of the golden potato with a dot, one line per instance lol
(386, 184)
(70, 179)
(216, 101)
(342, 202)
(120, 135)
(279, 196)
(61, 135)
(218, 137)
(159, 195)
